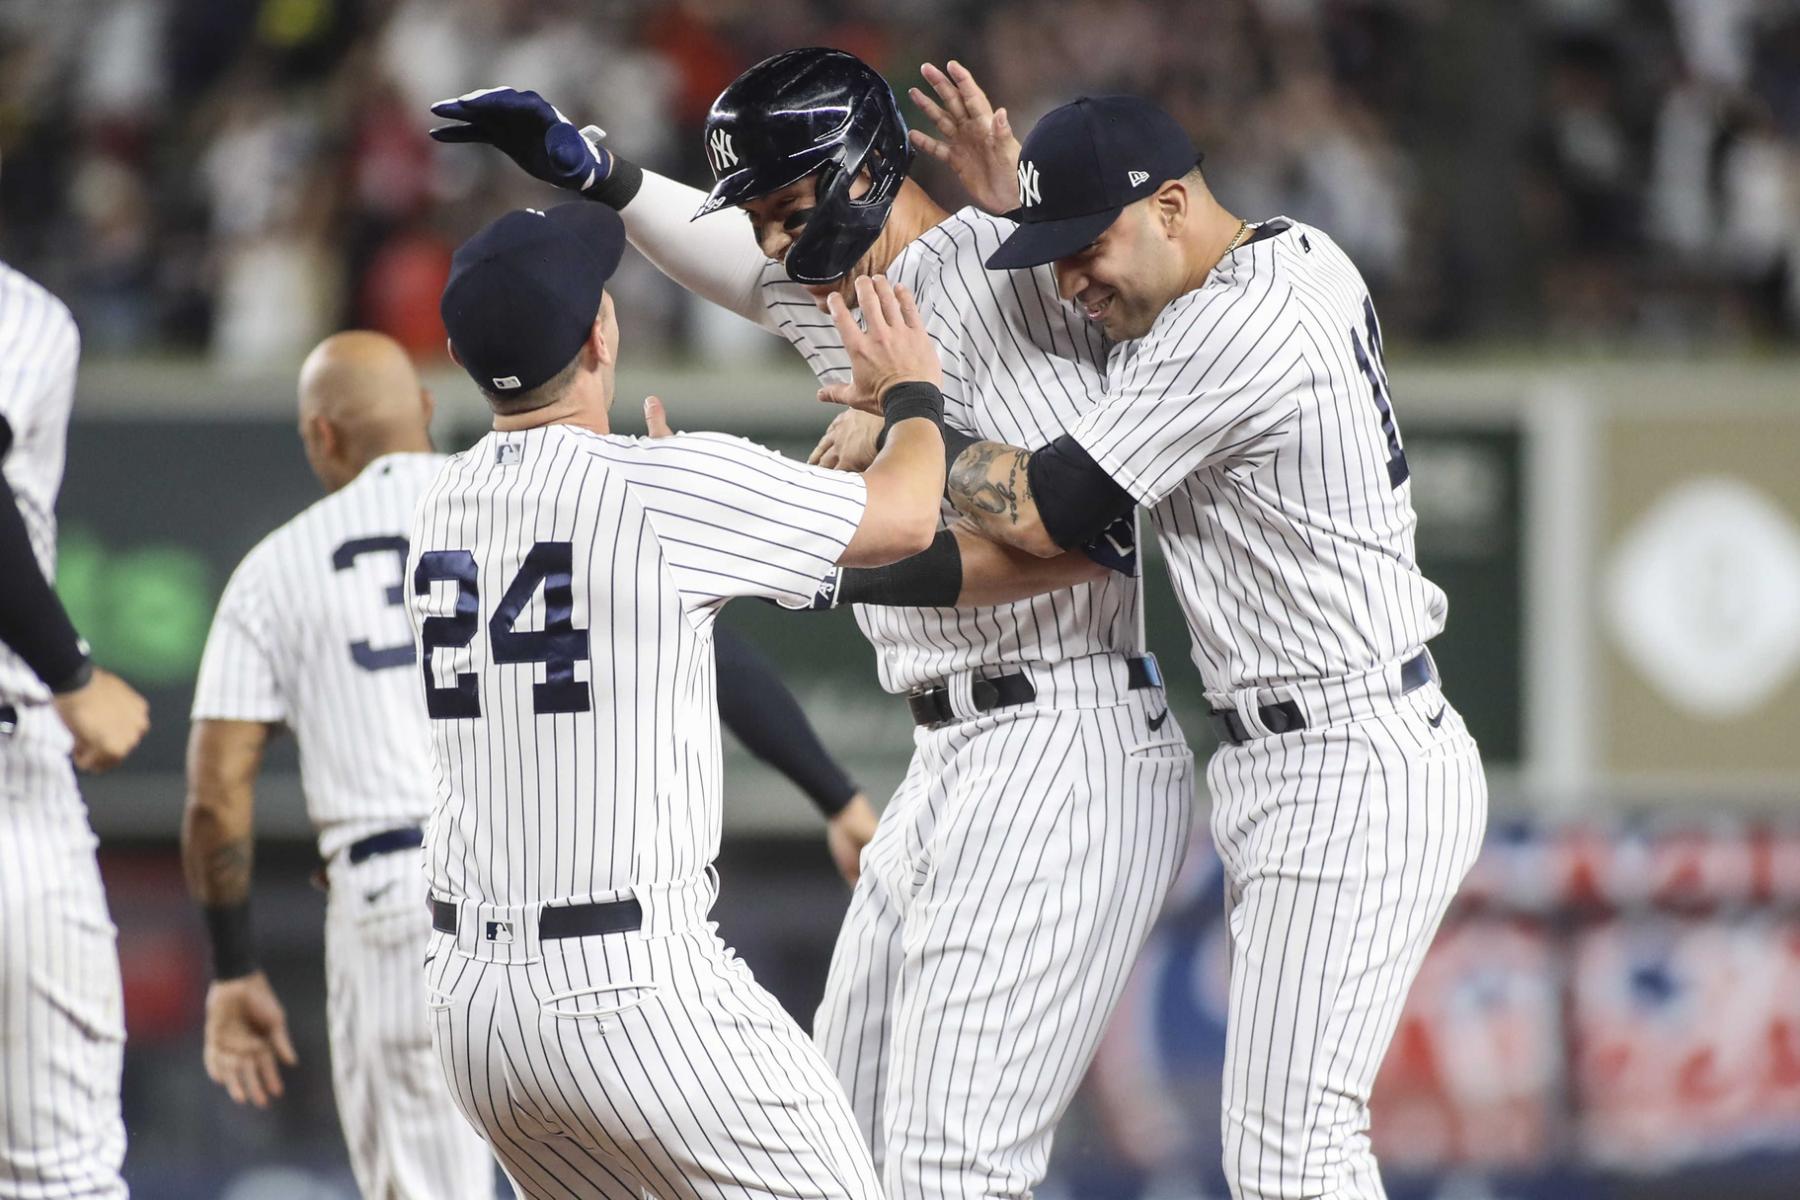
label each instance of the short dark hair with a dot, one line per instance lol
(508, 404)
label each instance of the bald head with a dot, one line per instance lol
(360, 398)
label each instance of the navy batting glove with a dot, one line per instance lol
(531, 131)
(1116, 547)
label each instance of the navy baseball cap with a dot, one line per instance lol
(1079, 168)
(523, 291)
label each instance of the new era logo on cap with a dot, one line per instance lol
(1137, 177)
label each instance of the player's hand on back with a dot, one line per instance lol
(107, 718)
(848, 443)
(847, 832)
(532, 132)
(247, 1039)
(890, 347)
(978, 142)
(656, 418)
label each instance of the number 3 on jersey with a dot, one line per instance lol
(1370, 362)
(559, 645)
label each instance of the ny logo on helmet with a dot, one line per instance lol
(1028, 185)
(719, 147)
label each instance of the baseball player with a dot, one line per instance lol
(1020, 864)
(62, 1020)
(310, 635)
(563, 583)
(1247, 406)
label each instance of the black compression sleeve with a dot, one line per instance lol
(32, 620)
(930, 579)
(1076, 498)
(762, 714)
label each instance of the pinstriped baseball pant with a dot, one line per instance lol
(406, 1139)
(1342, 848)
(629, 1065)
(62, 1011)
(1009, 887)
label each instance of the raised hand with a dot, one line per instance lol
(532, 132)
(892, 346)
(978, 140)
(656, 418)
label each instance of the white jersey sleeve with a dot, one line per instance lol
(239, 679)
(737, 519)
(1210, 383)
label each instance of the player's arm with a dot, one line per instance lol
(760, 711)
(1042, 501)
(246, 1028)
(893, 358)
(716, 257)
(106, 717)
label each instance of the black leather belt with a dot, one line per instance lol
(1285, 716)
(386, 842)
(931, 705)
(556, 921)
(9, 718)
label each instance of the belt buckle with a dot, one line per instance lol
(936, 698)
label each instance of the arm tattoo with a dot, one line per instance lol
(988, 481)
(222, 876)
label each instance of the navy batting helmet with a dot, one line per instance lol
(807, 111)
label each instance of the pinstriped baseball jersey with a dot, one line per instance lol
(563, 585)
(312, 631)
(39, 348)
(1254, 418)
(1020, 366)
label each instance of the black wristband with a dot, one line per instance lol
(33, 622)
(619, 186)
(955, 442)
(904, 401)
(930, 579)
(233, 946)
(75, 680)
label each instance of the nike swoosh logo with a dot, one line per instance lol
(1156, 722)
(378, 893)
(1434, 722)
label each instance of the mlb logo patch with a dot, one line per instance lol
(500, 931)
(506, 383)
(509, 454)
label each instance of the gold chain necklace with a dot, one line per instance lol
(1242, 229)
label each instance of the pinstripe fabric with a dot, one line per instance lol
(612, 1065)
(39, 349)
(631, 1065)
(1008, 889)
(1248, 423)
(1254, 417)
(310, 632)
(62, 1020)
(1342, 849)
(406, 1139)
(1020, 366)
(971, 1110)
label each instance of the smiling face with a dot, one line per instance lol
(1123, 279)
(779, 218)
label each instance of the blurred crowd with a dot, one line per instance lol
(235, 177)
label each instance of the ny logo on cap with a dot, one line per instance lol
(719, 148)
(1028, 185)
(1137, 177)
